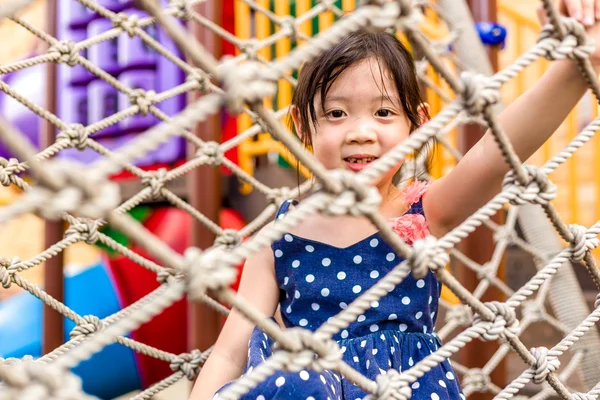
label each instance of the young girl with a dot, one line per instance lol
(352, 104)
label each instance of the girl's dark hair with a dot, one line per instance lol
(318, 75)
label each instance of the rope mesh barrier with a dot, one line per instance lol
(85, 198)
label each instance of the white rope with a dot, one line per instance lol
(87, 201)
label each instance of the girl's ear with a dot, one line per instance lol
(423, 111)
(296, 120)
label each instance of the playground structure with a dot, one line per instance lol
(326, 16)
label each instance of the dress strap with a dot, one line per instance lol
(285, 206)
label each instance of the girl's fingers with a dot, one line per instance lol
(541, 14)
(589, 12)
(597, 7)
(574, 8)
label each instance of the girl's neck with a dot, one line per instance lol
(391, 198)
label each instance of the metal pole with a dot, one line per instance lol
(53, 332)
(204, 189)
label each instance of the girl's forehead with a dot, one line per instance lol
(370, 67)
(365, 77)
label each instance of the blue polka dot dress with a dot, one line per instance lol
(316, 282)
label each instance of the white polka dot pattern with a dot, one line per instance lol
(317, 282)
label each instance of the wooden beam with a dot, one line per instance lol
(204, 188)
(53, 330)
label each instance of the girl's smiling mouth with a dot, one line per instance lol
(357, 162)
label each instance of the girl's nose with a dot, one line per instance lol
(363, 133)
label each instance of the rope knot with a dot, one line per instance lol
(279, 195)
(427, 255)
(29, 379)
(303, 350)
(8, 168)
(143, 99)
(67, 51)
(504, 321)
(208, 270)
(78, 192)
(479, 92)
(575, 44)
(390, 386)
(7, 270)
(328, 4)
(288, 25)
(505, 235)
(249, 48)
(582, 241)
(156, 181)
(229, 238)
(356, 198)
(200, 78)
(246, 83)
(477, 379)
(460, 314)
(386, 16)
(543, 366)
(538, 190)
(12, 361)
(210, 153)
(90, 325)
(86, 228)
(597, 301)
(166, 275)
(76, 135)
(128, 23)
(181, 9)
(188, 363)
(257, 120)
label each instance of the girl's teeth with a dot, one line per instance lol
(360, 161)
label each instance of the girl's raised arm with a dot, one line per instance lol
(528, 122)
(258, 286)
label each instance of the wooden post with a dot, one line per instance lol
(479, 246)
(53, 332)
(204, 189)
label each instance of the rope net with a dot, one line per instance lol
(87, 200)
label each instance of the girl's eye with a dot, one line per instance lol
(384, 113)
(336, 113)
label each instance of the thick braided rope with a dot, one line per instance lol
(343, 193)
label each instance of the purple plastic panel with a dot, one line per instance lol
(133, 63)
(73, 107)
(74, 13)
(172, 150)
(103, 101)
(169, 76)
(106, 54)
(26, 82)
(134, 52)
(137, 79)
(115, 5)
(77, 75)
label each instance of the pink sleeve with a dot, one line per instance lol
(413, 192)
(412, 227)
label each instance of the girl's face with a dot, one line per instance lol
(363, 119)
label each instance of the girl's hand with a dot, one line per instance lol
(585, 11)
